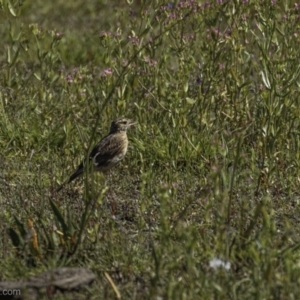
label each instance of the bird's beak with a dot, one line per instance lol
(132, 122)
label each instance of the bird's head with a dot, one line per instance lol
(121, 124)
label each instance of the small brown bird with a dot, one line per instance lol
(109, 151)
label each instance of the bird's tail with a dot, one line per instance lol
(60, 187)
(77, 173)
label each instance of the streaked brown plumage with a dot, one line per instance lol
(109, 151)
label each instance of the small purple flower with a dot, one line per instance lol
(151, 62)
(216, 31)
(198, 80)
(221, 66)
(205, 5)
(69, 78)
(134, 40)
(103, 33)
(106, 72)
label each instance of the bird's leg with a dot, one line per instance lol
(112, 201)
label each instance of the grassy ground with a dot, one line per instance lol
(213, 165)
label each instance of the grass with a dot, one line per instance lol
(213, 165)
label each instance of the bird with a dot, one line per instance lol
(108, 152)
